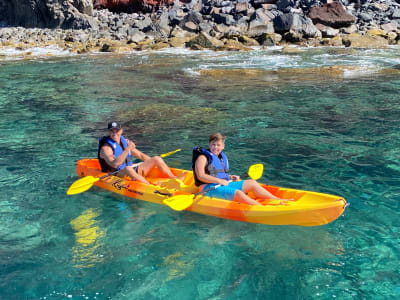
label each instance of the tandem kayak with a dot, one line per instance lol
(308, 209)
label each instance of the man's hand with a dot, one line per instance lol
(131, 145)
(235, 177)
(223, 182)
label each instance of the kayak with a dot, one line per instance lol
(307, 209)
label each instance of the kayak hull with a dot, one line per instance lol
(308, 209)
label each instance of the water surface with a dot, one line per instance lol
(316, 130)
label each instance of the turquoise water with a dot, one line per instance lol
(336, 134)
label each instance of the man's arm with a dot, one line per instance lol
(107, 154)
(139, 154)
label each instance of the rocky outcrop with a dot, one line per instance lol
(331, 14)
(130, 6)
(47, 14)
(197, 24)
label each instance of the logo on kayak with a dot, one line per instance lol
(118, 184)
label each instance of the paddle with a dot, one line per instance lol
(85, 183)
(181, 202)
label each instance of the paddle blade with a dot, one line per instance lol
(255, 171)
(179, 202)
(169, 153)
(82, 185)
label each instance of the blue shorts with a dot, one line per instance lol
(224, 192)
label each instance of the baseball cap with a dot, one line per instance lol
(114, 125)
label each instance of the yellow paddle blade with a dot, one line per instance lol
(81, 185)
(169, 153)
(255, 171)
(179, 202)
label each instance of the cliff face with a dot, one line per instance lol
(130, 6)
(47, 13)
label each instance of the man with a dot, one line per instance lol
(115, 151)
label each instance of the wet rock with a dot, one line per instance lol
(331, 14)
(247, 41)
(203, 41)
(335, 41)
(356, 40)
(233, 45)
(177, 42)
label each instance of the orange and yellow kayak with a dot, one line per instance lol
(308, 209)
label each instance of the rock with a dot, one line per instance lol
(388, 27)
(283, 23)
(241, 8)
(327, 32)
(292, 50)
(160, 45)
(233, 45)
(335, 41)
(376, 32)
(180, 33)
(190, 26)
(177, 41)
(295, 27)
(356, 40)
(352, 28)
(396, 14)
(255, 31)
(331, 14)
(203, 40)
(247, 41)
(130, 6)
(135, 35)
(392, 37)
(45, 14)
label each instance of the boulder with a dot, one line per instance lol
(130, 6)
(367, 41)
(331, 14)
(388, 27)
(203, 40)
(327, 32)
(295, 26)
(83, 6)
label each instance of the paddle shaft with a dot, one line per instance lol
(213, 188)
(137, 164)
(116, 171)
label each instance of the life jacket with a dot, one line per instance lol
(117, 149)
(216, 166)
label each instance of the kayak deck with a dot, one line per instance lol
(307, 209)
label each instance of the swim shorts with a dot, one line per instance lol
(224, 192)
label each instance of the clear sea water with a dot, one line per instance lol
(336, 134)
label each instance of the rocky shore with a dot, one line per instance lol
(82, 26)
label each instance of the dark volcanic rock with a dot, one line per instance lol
(45, 14)
(130, 6)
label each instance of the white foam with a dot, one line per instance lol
(12, 53)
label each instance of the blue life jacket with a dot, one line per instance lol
(117, 149)
(216, 166)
